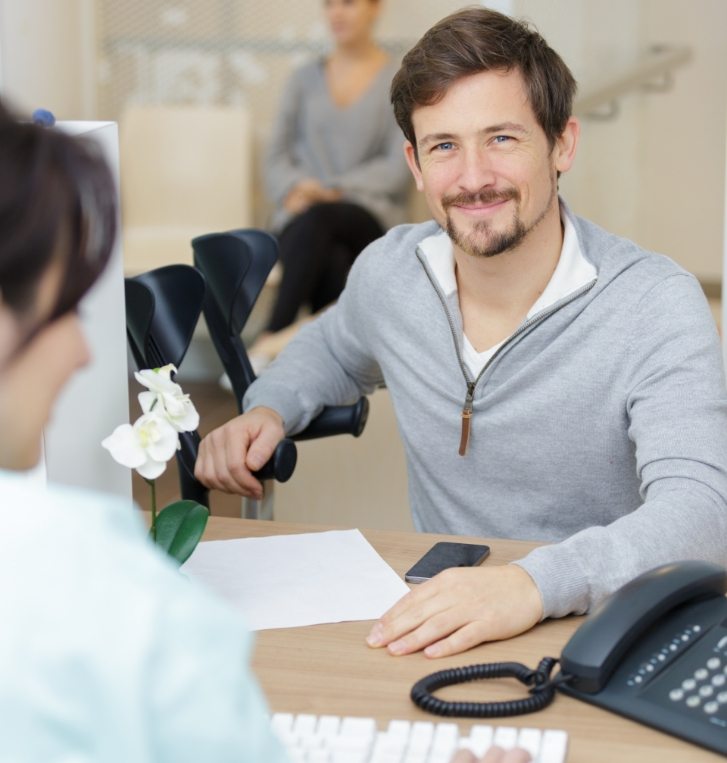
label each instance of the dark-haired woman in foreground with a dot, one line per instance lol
(107, 653)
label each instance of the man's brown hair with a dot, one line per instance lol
(474, 40)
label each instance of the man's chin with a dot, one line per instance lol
(479, 244)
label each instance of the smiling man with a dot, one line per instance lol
(551, 381)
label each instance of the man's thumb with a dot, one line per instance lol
(260, 451)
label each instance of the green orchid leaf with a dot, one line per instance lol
(179, 528)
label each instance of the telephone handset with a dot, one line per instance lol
(596, 648)
(655, 651)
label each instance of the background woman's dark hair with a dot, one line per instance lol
(474, 40)
(57, 201)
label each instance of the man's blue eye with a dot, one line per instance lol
(502, 138)
(445, 146)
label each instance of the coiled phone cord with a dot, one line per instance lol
(542, 689)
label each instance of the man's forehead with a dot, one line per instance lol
(483, 101)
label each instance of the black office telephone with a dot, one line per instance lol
(655, 651)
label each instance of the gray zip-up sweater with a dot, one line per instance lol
(600, 425)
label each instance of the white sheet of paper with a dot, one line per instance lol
(284, 581)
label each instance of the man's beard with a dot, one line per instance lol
(481, 240)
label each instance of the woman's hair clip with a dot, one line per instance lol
(44, 118)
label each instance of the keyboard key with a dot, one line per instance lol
(529, 739)
(282, 722)
(361, 727)
(554, 747)
(446, 736)
(305, 725)
(480, 739)
(505, 737)
(421, 736)
(399, 729)
(328, 726)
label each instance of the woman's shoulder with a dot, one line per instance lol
(308, 72)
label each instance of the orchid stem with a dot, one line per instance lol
(153, 486)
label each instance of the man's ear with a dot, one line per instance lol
(413, 161)
(564, 151)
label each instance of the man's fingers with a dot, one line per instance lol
(432, 630)
(464, 756)
(493, 755)
(466, 637)
(261, 449)
(222, 460)
(409, 612)
(498, 755)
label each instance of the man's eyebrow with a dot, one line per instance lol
(505, 127)
(435, 137)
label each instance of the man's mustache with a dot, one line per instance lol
(483, 196)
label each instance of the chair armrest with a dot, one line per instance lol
(337, 419)
(281, 465)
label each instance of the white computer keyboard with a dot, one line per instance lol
(331, 739)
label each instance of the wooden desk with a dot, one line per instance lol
(329, 669)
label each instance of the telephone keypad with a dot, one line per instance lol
(702, 689)
(652, 667)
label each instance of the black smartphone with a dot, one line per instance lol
(443, 555)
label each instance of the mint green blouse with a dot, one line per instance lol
(107, 652)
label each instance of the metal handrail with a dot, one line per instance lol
(653, 73)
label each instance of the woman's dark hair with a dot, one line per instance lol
(474, 40)
(57, 202)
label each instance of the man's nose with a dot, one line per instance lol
(476, 171)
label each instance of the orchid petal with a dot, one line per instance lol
(124, 447)
(146, 400)
(151, 469)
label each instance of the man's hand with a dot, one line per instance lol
(229, 454)
(493, 755)
(458, 609)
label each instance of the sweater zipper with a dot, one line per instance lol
(467, 408)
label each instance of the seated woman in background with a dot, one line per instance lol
(335, 167)
(107, 653)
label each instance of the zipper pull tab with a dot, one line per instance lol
(466, 417)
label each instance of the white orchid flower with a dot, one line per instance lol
(146, 446)
(166, 398)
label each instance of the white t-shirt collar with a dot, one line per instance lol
(572, 272)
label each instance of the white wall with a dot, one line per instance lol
(47, 56)
(656, 173)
